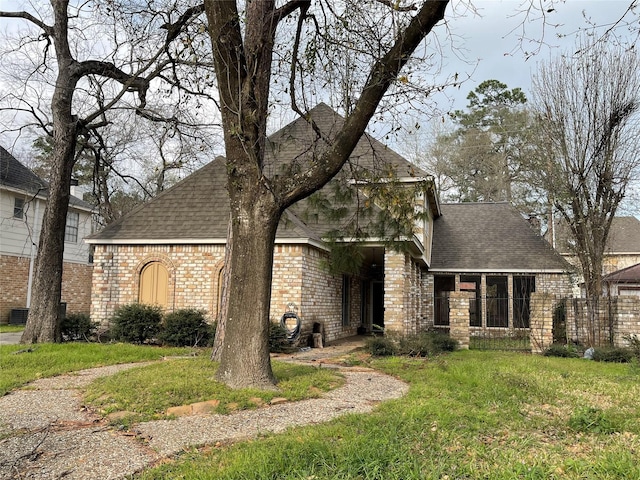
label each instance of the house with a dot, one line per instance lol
(623, 282)
(23, 196)
(170, 251)
(490, 250)
(621, 251)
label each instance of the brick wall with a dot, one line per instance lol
(13, 284)
(615, 318)
(459, 318)
(194, 278)
(14, 279)
(541, 320)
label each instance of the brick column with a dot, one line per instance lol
(396, 292)
(459, 318)
(541, 321)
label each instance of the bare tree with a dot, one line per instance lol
(588, 107)
(72, 72)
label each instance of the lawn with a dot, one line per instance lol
(47, 360)
(468, 415)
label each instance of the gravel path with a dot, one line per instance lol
(46, 433)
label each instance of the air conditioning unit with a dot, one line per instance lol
(18, 316)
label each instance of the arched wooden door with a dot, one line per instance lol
(154, 284)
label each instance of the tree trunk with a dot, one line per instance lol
(244, 356)
(223, 309)
(43, 322)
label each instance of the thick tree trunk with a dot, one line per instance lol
(43, 322)
(244, 356)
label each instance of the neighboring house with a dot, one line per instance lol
(622, 249)
(490, 250)
(623, 282)
(170, 251)
(23, 196)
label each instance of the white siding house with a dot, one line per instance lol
(23, 197)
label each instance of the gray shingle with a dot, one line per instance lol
(489, 236)
(198, 206)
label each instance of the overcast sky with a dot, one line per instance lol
(490, 39)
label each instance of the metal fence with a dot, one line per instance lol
(495, 323)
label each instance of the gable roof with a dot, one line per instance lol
(626, 275)
(14, 175)
(484, 237)
(624, 237)
(196, 209)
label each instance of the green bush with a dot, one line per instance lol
(565, 351)
(612, 355)
(136, 323)
(634, 346)
(186, 328)
(381, 346)
(441, 342)
(77, 327)
(278, 341)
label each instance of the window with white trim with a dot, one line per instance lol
(71, 228)
(18, 207)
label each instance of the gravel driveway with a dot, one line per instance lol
(47, 434)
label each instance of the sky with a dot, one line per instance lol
(490, 39)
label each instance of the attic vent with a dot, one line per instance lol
(18, 316)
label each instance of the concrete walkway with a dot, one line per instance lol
(10, 338)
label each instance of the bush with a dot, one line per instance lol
(634, 345)
(381, 346)
(565, 351)
(278, 341)
(77, 326)
(186, 328)
(613, 355)
(136, 323)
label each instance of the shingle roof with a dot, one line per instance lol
(489, 237)
(626, 275)
(14, 174)
(624, 236)
(198, 206)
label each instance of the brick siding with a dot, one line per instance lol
(14, 279)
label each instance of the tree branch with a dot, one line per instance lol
(49, 31)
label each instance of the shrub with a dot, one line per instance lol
(441, 342)
(634, 345)
(77, 326)
(381, 346)
(278, 341)
(613, 355)
(136, 323)
(565, 351)
(186, 328)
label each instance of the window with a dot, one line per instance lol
(18, 207)
(71, 228)
(497, 302)
(346, 300)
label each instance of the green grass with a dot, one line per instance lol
(147, 392)
(11, 328)
(47, 360)
(468, 415)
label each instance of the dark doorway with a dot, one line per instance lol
(442, 285)
(377, 305)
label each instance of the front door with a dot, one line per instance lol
(377, 306)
